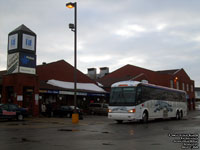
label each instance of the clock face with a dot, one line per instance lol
(28, 42)
(13, 42)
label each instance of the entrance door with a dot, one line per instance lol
(28, 98)
(10, 94)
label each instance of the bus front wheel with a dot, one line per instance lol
(145, 117)
(119, 121)
(181, 115)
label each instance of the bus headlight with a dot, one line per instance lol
(131, 111)
(109, 110)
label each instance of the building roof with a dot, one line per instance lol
(172, 72)
(130, 72)
(62, 71)
(22, 28)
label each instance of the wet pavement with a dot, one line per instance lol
(100, 133)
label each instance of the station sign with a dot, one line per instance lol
(28, 42)
(13, 42)
(27, 60)
(13, 63)
(27, 63)
(21, 63)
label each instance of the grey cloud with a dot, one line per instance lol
(170, 38)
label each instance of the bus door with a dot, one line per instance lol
(151, 108)
(139, 102)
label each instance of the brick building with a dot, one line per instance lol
(176, 78)
(55, 80)
(48, 75)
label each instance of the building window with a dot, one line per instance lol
(183, 86)
(191, 88)
(187, 86)
(171, 84)
(177, 84)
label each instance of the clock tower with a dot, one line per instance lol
(21, 85)
(21, 51)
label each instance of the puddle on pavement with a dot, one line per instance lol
(23, 140)
(108, 144)
(75, 130)
(68, 130)
(105, 132)
(55, 122)
(17, 124)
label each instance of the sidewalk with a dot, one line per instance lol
(193, 114)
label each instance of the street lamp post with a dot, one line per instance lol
(73, 27)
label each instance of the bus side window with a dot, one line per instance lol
(182, 97)
(146, 94)
(139, 95)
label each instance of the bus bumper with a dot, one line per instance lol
(122, 116)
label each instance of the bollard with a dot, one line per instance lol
(75, 118)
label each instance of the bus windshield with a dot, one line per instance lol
(123, 96)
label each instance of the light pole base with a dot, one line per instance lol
(75, 118)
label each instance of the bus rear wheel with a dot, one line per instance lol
(181, 115)
(178, 115)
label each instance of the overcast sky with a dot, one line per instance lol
(153, 34)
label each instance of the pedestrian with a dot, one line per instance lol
(43, 109)
(49, 110)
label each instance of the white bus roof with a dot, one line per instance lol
(125, 83)
(135, 83)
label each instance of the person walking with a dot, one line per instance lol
(49, 110)
(43, 109)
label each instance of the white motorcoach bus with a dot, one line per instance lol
(132, 100)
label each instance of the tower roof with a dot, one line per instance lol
(22, 28)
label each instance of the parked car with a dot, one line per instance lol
(98, 108)
(67, 111)
(197, 106)
(12, 111)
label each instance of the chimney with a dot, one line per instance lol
(103, 71)
(92, 73)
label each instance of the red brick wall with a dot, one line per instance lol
(18, 81)
(62, 71)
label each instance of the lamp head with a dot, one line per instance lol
(70, 5)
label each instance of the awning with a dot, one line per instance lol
(80, 86)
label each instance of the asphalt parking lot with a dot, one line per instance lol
(96, 132)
